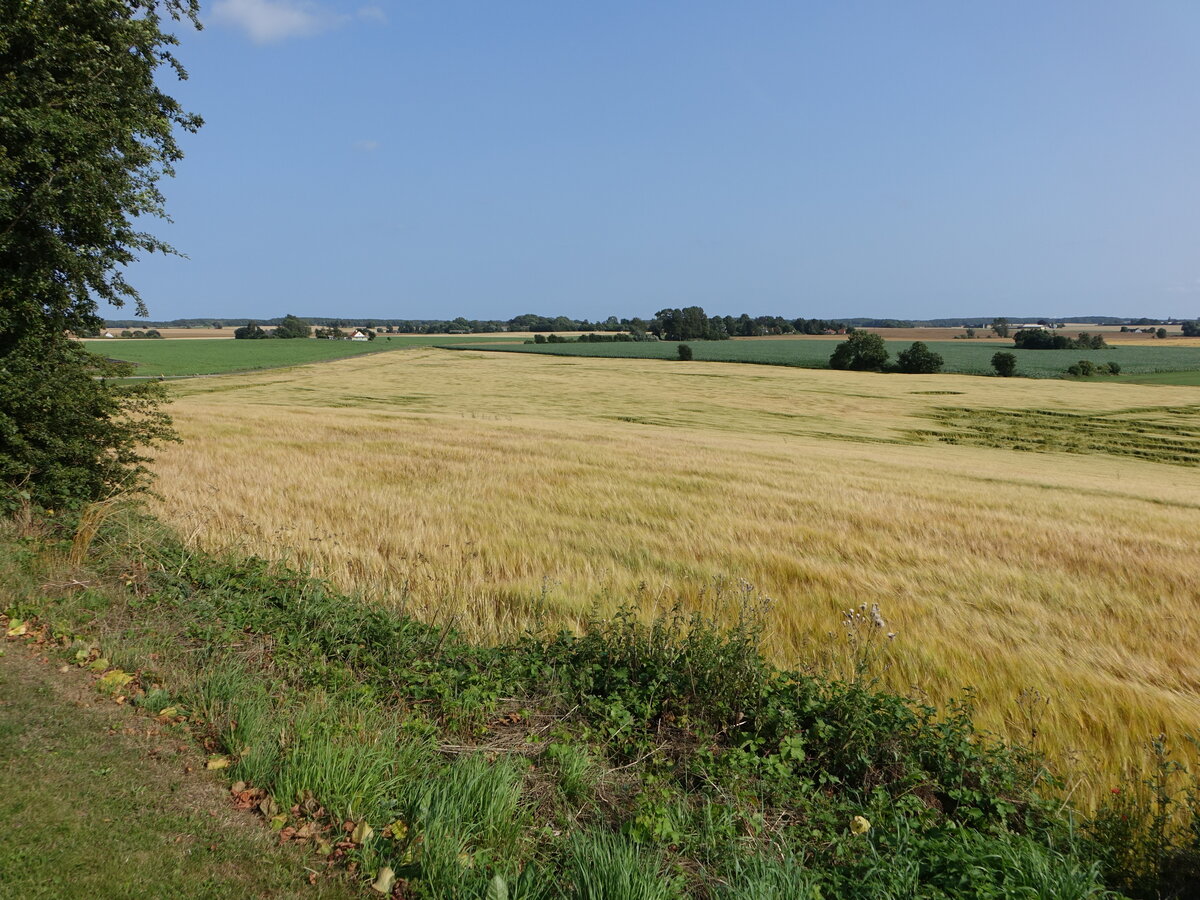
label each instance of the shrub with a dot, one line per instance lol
(685, 352)
(1005, 364)
(249, 332)
(862, 351)
(539, 339)
(292, 327)
(919, 360)
(1041, 339)
(88, 448)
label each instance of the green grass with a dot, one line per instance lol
(89, 810)
(169, 357)
(961, 357)
(1189, 378)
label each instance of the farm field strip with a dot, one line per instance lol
(502, 491)
(961, 357)
(214, 356)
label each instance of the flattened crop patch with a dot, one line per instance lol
(1158, 434)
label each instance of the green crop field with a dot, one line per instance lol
(962, 357)
(213, 357)
(1187, 377)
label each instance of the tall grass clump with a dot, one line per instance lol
(469, 820)
(353, 762)
(608, 867)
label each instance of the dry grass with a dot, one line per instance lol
(496, 489)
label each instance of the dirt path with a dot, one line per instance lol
(97, 801)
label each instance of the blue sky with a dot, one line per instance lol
(397, 159)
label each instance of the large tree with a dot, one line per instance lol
(862, 351)
(85, 137)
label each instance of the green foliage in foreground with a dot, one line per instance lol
(68, 435)
(959, 357)
(641, 760)
(85, 137)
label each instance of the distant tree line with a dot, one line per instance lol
(1041, 339)
(687, 324)
(546, 324)
(151, 334)
(289, 327)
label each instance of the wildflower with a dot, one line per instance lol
(860, 825)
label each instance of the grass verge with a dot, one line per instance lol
(639, 759)
(96, 803)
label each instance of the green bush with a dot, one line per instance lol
(861, 351)
(251, 331)
(1005, 364)
(69, 434)
(685, 352)
(291, 327)
(919, 360)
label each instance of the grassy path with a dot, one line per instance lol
(96, 802)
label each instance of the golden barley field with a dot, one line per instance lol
(497, 490)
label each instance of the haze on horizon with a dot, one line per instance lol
(399, 160)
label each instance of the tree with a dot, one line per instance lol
(291, 327)
(1191, 329)
(861, 351)
(1000, 327)
(250, 332)
(1005, 364)
(86, 135)
(685, 352)
(919, 360)
(1161, 333)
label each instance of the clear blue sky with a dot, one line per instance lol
(398, 159)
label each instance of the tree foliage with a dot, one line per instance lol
(85, 137)
(250, 332)
(861, 351)
(1005, 364)
(1041, 339)
(292, 327)
(68, 434)
(919, 360)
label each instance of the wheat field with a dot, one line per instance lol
(501, 491)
